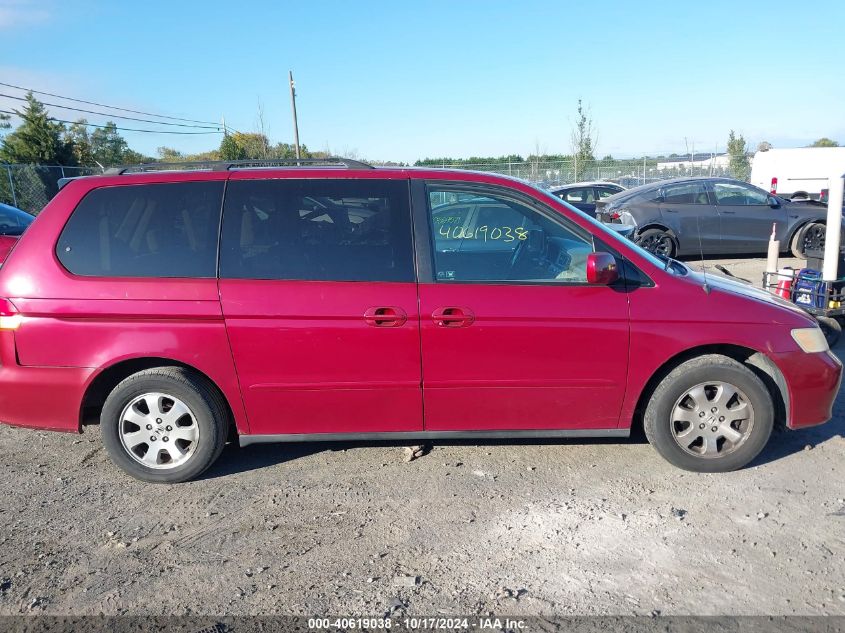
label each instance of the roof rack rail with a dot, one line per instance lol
(215, 165)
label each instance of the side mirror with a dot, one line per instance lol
(602, 269)
(774, 203)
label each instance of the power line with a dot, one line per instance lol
(116, 116)
(122, 129)
(102, 105)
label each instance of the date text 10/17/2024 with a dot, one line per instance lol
(417, 624)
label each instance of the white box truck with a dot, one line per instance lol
(797, 173)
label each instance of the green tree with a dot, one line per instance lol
(254, 145)
(131, 157)
(472, 160)
(738, 162)
(5, 190)
(37, 139)
(230, 150)
(584, 142)
(108, 147)
(80, 142)
(825, 142)
(169, 155)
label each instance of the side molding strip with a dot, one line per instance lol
(246, 440)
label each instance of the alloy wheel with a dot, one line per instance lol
(158, 431)
(658, 244)
(712, 419)
(814, 238)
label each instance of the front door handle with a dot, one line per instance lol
(386, 316)
(453, 317)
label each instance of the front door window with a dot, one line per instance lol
(496, 238)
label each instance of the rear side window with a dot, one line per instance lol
(150, 230)
(318, 230)
(686, 193)
(579, 196)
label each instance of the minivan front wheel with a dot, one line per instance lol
(165, 424)
(710, 414)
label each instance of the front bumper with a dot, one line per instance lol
(813, 382)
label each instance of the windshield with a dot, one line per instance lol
(611, 235)
(13, 221)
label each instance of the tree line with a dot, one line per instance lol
(40, 140)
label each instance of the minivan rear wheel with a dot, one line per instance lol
(164, 425)
(710, 414)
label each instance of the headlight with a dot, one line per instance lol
(810, 339)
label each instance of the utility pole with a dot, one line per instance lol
(293, 109)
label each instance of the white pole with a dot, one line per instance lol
(834, 228)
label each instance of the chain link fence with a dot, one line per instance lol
(628, 173)
(30, 187)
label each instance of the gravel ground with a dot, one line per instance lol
(522, 528)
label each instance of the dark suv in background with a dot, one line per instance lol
(714, 216)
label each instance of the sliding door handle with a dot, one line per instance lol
(453, 317)
(386, 316)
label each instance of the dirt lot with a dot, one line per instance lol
(592, 527)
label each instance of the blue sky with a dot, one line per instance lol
(406, 80)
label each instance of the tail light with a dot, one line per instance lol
(823, 195)
(9, 317)
(774, 188)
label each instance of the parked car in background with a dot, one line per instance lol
(714, 216)
(801, 173)
(331, 302)
(472, 216)
(13, 222)
(583, 195)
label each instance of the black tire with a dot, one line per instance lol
(831, 328)
(795, 244)
(208, 411)
(657, 241)
(661, 428)
(810, 237)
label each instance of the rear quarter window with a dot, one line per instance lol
(149, 230)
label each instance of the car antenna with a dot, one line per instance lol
(705, 287)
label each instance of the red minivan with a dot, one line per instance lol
(331, 300)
